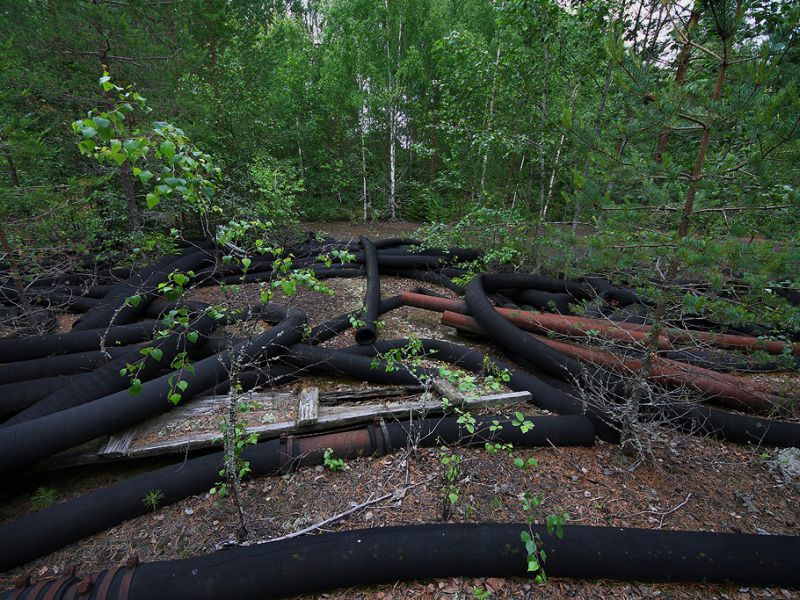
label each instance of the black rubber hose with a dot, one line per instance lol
(382, 555)
(319, 272)
(15, 397)
(528, 348)
(607, 291)
(733, 427)
(547, 300)
(518, 342)
(39, 346)
(427, 277)
(108, 379)
(723, 424)
(36, 322)
(387, 554)
(271, 375)
(101, 314)
(352, 365)
(41, 532)
(115, 306)
(525, 281)
(367, 333)
(392, 242)
(330, 329)
(390, 261)
(76, 304)
(32, 440)
(54, 366)
(448, 254)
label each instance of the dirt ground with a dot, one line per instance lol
(688, 484)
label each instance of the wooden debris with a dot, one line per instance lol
(308, 407)
(308, 411)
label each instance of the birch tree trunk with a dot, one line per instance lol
(489, 119)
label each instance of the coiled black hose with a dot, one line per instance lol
(108, 379)
(26, 442)
(39, 346)
(114, 304)
(320, 563)
(41, 532)
(367, 333)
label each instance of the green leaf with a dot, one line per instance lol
(182, 385)
(86, 146)
(130, 147)
(136, 387)
(157, 353)
(152, 200)
(192, 336)
(174, 398)
(133, 300)
(88, 132)
(145, 176)
(167, 149)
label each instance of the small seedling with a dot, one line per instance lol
(44, 497)
(152, 499)
(334, 464)
(480, 593)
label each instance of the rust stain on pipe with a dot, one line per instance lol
(434, 303)
(345, 444)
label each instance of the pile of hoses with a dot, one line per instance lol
(65, 389)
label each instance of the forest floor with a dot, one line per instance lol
(688, 483)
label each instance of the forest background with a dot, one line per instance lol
(645, 140)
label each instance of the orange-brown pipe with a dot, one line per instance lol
(539, 322)
(434, 303)
(577, 326)
(624, 332)
(725, 388)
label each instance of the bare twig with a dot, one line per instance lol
(397, 494)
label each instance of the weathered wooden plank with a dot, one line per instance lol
(447, 390)
(308, 407)
(124, 443)
(328, 418)
(369, 394)
(118, 443)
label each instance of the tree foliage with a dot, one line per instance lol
(576, 124)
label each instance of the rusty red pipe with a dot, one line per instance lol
(625, 332)
(725, 388)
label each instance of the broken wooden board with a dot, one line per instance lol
(195, 425)
(143, 443)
